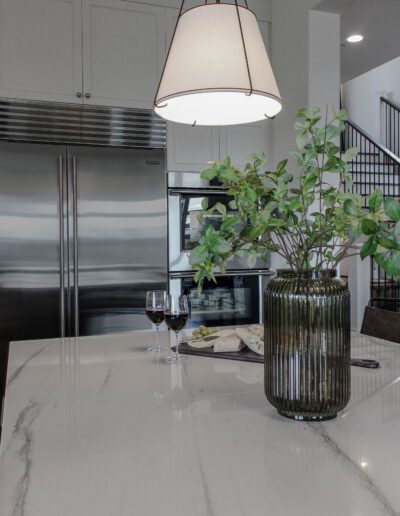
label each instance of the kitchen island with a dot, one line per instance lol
(96, 426)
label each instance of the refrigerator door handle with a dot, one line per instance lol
(61, 243)
(75, 244)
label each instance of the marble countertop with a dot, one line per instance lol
(98, 427)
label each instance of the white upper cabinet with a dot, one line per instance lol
(40, 49)
(123, 52)
(261, 8)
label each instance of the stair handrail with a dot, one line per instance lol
(390, 124)
(391, 103)
(388, 153)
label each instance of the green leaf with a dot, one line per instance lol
(349, 207)
(295, 191)
(302, 113)
(251, 194)
(368, 226)
(228, 174)
(256, 232)
(341, 115)
(301, 141)
(199, 254)
(281, 167)
(210, 231)
(221, 246)
(375, 200)
(331, 131)
(251, 260)
(392, 209)
(350, 154)
(368, 249)
(221, 208)
(228, 223)
(390, 262)
(209, 174)
(388, 243)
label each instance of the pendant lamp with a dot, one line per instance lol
(217, 70)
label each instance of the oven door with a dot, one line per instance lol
(184, 229)
(236, 298)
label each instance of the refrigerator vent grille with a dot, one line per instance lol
(50, 122)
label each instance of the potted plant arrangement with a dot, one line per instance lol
(313, 222)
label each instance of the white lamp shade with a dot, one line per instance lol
(213, 75)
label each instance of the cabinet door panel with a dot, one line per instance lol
(123, 52)
(190, 149)
(241, 141)
(40, 49)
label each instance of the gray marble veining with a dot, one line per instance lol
(97, 426)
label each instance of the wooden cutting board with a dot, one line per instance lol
(245, 354)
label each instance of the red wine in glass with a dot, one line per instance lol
(155, 316)
(155, 306)
(176, 314)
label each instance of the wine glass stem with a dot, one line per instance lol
(177, 343)
(157, 339)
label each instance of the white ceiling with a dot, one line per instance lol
(378, 21)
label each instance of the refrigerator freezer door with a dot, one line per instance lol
(121, 229)
(31, 231)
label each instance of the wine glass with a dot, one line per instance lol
(176, 314)
(155, 305)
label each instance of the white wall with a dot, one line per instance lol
(289, 58)
(324, 60)
(361, 95)
(305, 56)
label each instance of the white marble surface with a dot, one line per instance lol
(98, 427)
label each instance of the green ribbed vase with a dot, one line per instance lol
(307, 344)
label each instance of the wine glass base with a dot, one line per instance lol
(157, 349)
(173, 359)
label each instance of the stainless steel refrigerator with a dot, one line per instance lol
(83, 235)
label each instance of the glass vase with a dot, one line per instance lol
(307, 344)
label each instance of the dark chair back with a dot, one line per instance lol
(382, 319)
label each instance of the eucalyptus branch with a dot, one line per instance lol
(271, 211)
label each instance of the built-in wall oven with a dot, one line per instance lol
(237, 297)
(187, 193)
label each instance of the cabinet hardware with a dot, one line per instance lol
(87, 95)
(78, 94)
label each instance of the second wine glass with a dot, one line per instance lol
(176, 314)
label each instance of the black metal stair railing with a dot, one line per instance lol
(375, 166)
(391, 125)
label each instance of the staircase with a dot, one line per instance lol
(391, 125)
(377, 166)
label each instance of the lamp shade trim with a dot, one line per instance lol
(162, 102)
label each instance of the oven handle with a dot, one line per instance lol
(198, 191)
(250, 272)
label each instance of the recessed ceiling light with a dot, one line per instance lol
(355, 38)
